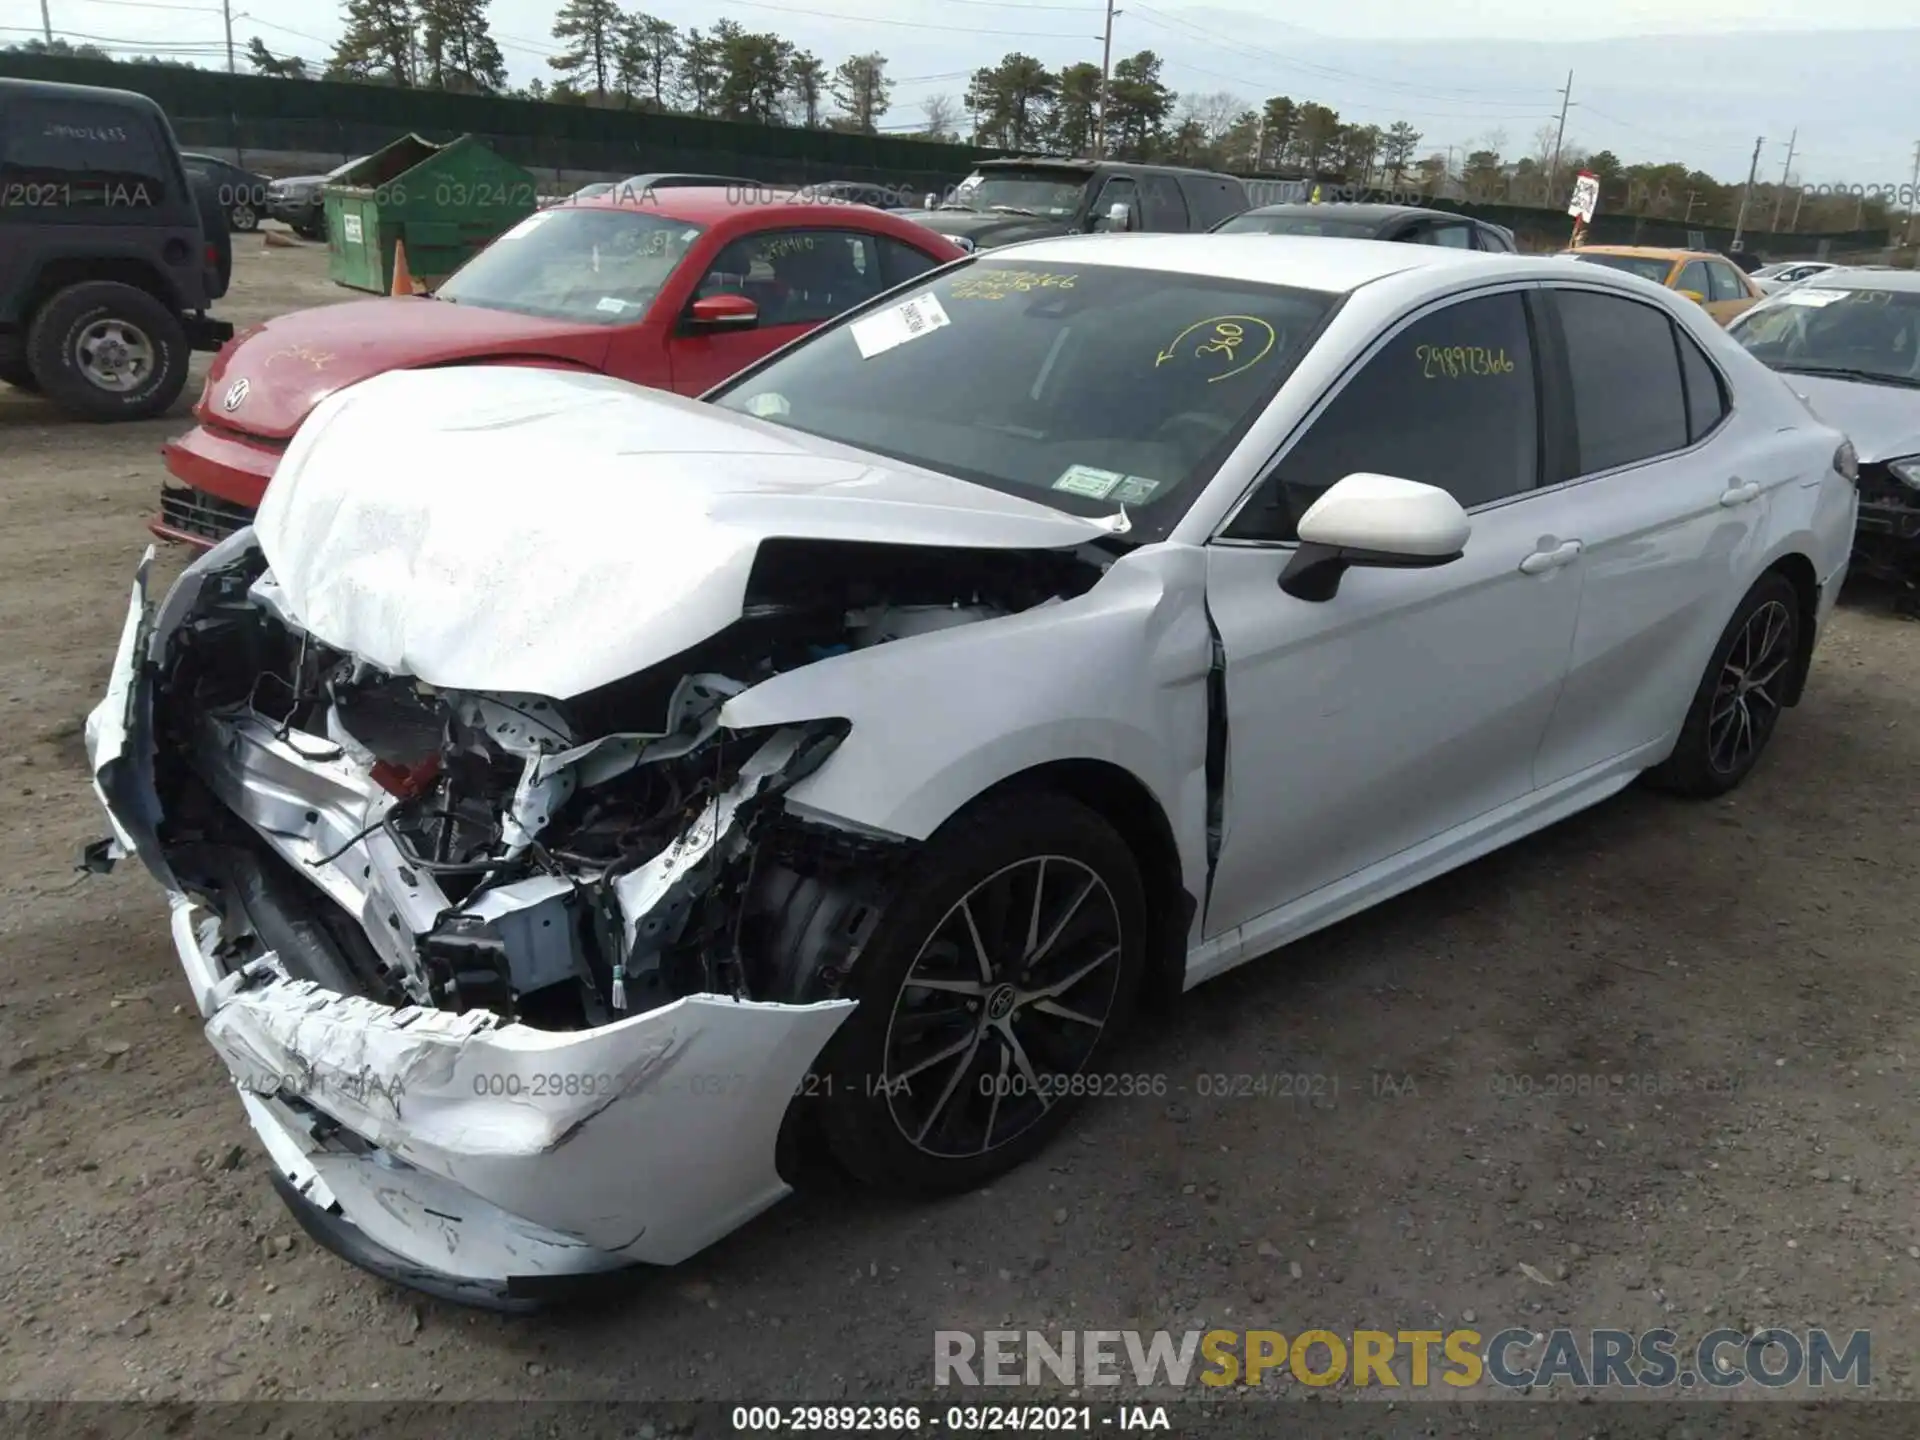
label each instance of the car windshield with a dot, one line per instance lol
(1855, 333)
(591, 264)
(1085, 387)
(1023, 192)
(1647, 267)
(1254, 223)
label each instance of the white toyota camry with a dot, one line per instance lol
(580, 804)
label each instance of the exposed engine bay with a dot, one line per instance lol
(557, 863)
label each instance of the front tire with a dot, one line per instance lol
(994, 984)
(106, 351)
(244, 218)
(1738, 704)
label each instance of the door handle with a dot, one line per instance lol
(1738, 493)
(1542, 561)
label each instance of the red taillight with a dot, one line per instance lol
(402, 780)
(213, 256)
(1847, 461)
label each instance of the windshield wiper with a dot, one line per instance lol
(1844, 372)
(1011, 210)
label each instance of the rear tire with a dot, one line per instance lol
(244, 218)
(106, 351)
(1013, 946)
(1738, 704)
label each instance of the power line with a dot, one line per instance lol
(904, 24)
(1240, 47)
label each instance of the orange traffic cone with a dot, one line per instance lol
(402, 276)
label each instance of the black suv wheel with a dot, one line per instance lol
(107, 351)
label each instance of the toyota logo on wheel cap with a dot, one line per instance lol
(235, 395)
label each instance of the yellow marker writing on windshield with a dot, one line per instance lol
(1226, 335)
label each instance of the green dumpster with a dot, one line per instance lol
(445, 202)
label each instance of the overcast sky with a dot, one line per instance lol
(1341, 58)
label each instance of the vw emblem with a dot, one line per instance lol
(235, 394)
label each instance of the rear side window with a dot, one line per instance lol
(1693, 276)
(1706, 394)
(1211, 199)
(1629, 402)
(61, 154)
(1163, 208)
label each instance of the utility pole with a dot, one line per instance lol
(46, 23)
(1553, 168)
(1747, 194)
(1786, 170)
(226, 14)
(1686, 218)
(1798, 201)
(1913, 195)
(1106, 70)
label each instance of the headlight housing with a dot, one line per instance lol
(1906, 471)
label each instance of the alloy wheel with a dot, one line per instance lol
(1746, 700)
(1002, 1007)
(114, 355)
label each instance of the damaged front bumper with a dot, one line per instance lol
(450, 1149)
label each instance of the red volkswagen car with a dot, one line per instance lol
(675, 288)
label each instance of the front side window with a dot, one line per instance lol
(1085, 387)
(599, 266)
(1454, 237)
(797, 277)
(1822, 329)
(1629, 402)
(1693, 277)
(1450, 401)
(1725, 284)
(1120, 190)
(900, 262)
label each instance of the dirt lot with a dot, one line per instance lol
(1754, 958)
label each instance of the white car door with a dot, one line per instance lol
(1672, 488)
(1413, 700)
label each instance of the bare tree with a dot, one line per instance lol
(943, 117)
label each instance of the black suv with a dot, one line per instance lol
(1004, 201)
(110, 253)
(1358, 221)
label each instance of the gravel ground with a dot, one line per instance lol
(1754, 957)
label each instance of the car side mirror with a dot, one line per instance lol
(1117, 216)
(1376, 521)
(1695, 296)
(722, 312)
(932, 202)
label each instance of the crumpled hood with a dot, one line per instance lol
(293, 362)
(986, 229)
(1882, 421)
(547, 532)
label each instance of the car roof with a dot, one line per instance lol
(1645, 252)
(1349, 210)
(1906, 281)
(56, 90)
(1310, 262)
(1070, 162)
(700, 204)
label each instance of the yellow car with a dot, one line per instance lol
(1713, 280)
